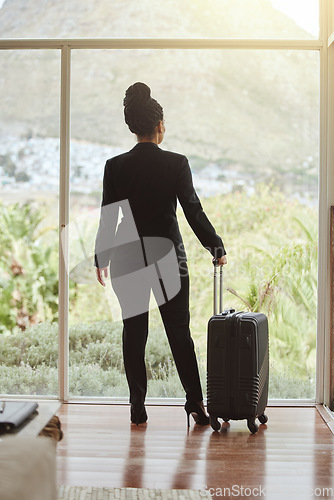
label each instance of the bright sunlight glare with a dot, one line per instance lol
(304, 12)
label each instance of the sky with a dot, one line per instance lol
(304, 12)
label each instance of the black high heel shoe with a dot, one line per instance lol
(138, 416)
(197, 411)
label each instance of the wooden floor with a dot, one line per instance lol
(290, 457)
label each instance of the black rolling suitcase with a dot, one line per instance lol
(237, 364)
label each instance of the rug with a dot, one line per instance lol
(90, 493)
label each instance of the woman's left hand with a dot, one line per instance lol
(100, 272)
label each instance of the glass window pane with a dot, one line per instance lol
(171, 18)
(249, 123)
(29, 173)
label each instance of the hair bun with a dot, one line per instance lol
(142, 113)
(136, 95)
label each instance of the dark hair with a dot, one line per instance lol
(142, 113)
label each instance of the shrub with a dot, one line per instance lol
(24, 379)
(33, 347)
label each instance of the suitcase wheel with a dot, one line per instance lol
(252, 426)
(263, 418)
(214, 422)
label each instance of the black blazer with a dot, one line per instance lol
(152, 180)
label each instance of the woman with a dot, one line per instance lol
(146, 182)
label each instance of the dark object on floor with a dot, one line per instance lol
(53, 429)
(15, 414)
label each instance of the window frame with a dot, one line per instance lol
(325, 45)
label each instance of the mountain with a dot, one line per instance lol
(253, 110)
(147, 18)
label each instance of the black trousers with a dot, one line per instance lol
(175, 316)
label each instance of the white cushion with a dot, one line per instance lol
(27, 469)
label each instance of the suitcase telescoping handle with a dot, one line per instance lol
(215, 288)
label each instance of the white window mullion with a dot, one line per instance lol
(163, 43)
(331, 19)
(63, 221)
(323, 316)
(329, 346)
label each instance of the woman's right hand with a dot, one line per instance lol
(222, 261)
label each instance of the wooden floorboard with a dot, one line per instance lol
(290, 457)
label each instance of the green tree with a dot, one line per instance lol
(28, 268)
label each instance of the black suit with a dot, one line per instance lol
(152, 180)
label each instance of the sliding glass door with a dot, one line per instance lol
(29, 192)
(248, 120)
